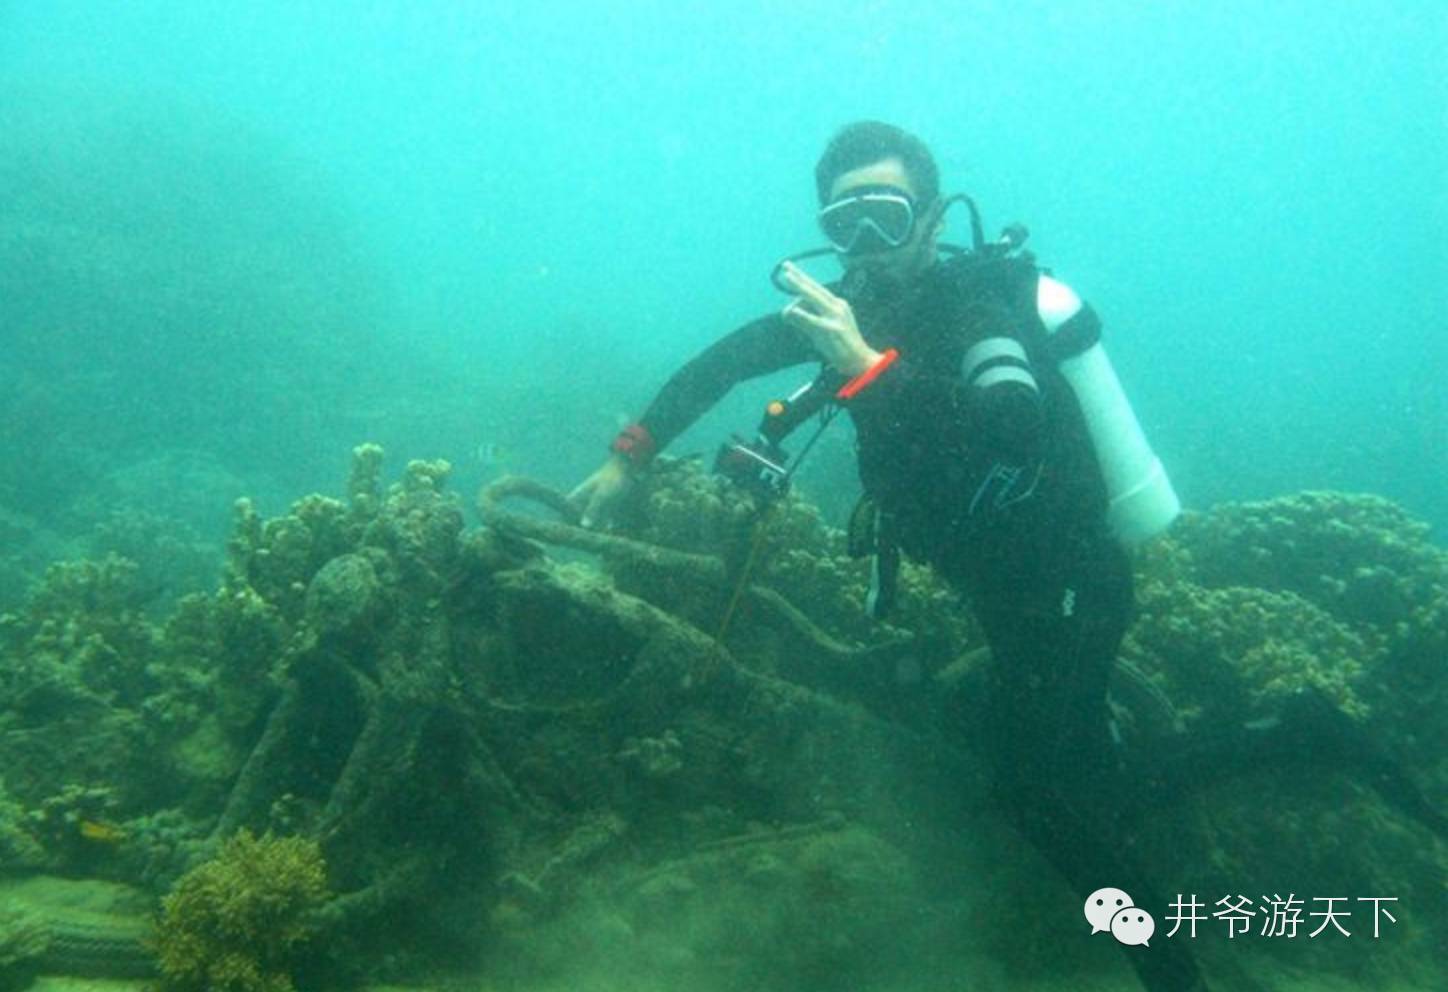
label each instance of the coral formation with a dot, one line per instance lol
(81, 697)
(1250, 601)
(235, 923)
(170, 557)
(481, 739)
(1357, 556)
(19, 850)
(1222, 653)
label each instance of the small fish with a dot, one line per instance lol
(101, 832)
(492, 456)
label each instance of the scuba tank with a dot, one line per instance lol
(1142, 502)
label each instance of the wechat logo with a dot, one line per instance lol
(1112, 910)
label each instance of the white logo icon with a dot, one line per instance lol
(1102, 905)
(1133, 926)
(1111, 910)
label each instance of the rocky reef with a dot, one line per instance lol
(541, 764)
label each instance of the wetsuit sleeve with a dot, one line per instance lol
(758, 348)
(1001, 396)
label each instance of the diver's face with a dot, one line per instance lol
(908, 259)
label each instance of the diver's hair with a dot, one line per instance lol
(867, 142)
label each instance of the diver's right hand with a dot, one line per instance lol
(598, 495)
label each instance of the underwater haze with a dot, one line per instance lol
(454, 226)
(284, 283)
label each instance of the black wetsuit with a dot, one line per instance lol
(1000, 491)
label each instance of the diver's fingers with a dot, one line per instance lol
(804, 319)
(803, 283)
(593, 511)
(802, 307)
(581, 501)
(602, 497)
(583, 494)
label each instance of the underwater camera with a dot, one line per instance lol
(757, 466)
(762, 466)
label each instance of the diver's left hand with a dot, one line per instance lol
(828, 322)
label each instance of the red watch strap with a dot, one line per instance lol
(850, 389)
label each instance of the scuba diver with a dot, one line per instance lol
(995, 444)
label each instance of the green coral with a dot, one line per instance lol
(19, 849)
(1223, 652)
(82, 670)
(1249, 600)
(416, 522)
(84, 625)
(419, 523)
(326, 567)
(1342, 593)
(364, 483)
(236, 923)
(366, 660)
(277, 558)
(1360, 557)
(170, 556)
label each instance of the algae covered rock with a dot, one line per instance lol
(345, 597)
(1240, 607)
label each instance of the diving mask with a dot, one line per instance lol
(867, 213)
(868, 219)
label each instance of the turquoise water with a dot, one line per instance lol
(494, 226)
(238, 239)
